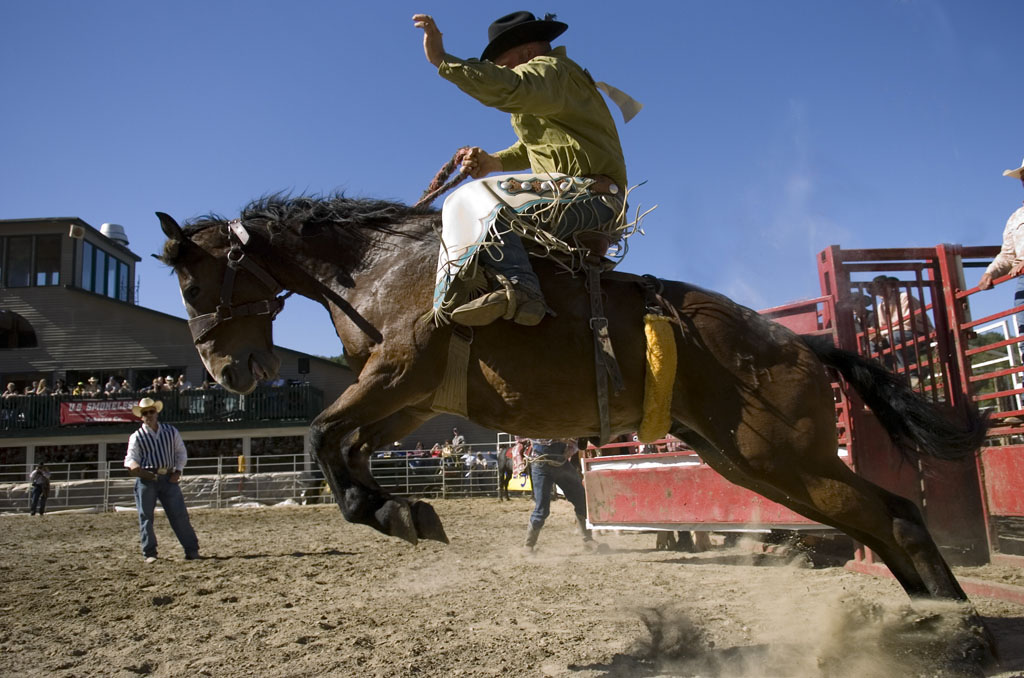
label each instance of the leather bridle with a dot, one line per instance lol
(202, 325)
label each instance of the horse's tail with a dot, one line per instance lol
(914, 423)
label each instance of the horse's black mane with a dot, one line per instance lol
(364, 214)
(356, 221)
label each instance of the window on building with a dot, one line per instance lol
(15, 331)
(122, 281)
(47, 266)
(103, 273)
(19, 261)
(99, 271)
(27, 260)
(88, 254)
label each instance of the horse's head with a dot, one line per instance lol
(231, 301)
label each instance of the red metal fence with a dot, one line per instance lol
(910, 309)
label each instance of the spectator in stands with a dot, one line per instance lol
(155, 387)
(92, 388)
(124, 387)
(458, 443)
(435, 451)
(59, 388)
(110, 388)
(42, 388)
(31, 388)
(674, 444)
(170, 383)
(40, 479)
(1011, 257)
(79, 389)
(156, 457)
(181, 384)
(11, 391)
(550, 466)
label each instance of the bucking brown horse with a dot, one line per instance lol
(753, 398)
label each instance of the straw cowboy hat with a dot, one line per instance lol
(519, 28)
(1016, 173)
(147, 404)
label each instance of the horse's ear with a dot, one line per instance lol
(170, 227)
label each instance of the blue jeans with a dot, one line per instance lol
(39, 494)
(545, 477)
(1018, 300)
(901, 353)
(146, 494)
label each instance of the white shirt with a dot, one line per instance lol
(162, 448)
(1013, 246)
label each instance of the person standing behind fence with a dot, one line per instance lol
(156, 457)
(40, 479)
(1011, 257)
(550, 466)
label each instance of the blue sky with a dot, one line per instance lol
(770, 129)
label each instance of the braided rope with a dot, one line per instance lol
(437, 185)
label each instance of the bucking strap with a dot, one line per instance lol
(450, 395)
(605, 364)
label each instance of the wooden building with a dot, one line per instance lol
(68, 312)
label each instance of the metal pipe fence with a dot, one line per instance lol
(215, 482)
(42, 413)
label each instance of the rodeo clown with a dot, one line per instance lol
(156, 457)
(567, 139)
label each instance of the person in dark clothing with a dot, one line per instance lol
(40, 479)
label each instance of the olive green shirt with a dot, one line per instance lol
(562, 122)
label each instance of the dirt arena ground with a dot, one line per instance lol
(296, 591)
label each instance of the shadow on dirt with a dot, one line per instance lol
(293, 554)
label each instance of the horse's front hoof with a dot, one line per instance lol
(396, 519)
(428, 524)
(980, 647)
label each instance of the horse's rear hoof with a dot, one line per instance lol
(396, 519)
(428, 524)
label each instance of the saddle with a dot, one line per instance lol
(450, 396)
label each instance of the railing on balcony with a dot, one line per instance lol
(271, 405)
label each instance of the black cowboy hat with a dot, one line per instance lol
(519, 28)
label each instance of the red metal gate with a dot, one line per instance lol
(910, 309)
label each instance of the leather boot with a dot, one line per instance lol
(588, 536)
(511, 302)
(531, 538)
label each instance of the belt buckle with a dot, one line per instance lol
(162, 471)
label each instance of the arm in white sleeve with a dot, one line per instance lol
(180, 454)
(1013, 247)
(132, 458)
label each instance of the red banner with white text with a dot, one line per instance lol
(97, 412)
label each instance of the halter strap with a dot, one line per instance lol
(202, 325)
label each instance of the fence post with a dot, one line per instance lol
(220, 478)
(106, 487)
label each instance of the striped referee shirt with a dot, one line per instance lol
(162, 448)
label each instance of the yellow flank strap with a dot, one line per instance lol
(660, 378)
